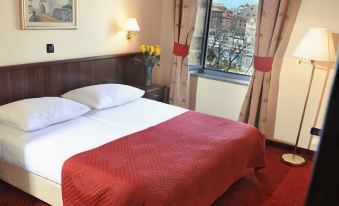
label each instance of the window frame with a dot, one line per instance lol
(202, 69)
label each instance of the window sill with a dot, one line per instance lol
(224, 77)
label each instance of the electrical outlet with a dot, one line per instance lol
(316, 131)
(50, 48)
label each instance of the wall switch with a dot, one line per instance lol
(50, 48)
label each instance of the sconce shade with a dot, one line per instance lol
(317, 45)
(132, 25)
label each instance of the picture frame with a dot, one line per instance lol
(48, 14)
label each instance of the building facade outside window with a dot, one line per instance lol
(225, 36)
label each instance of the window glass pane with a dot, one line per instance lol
(231, 36)
(196, 46)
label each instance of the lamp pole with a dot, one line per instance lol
(304, 110)
(294, 159)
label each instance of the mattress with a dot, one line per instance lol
(43, 152)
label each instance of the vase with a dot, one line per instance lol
(148, 75)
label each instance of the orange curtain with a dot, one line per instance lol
(185, 15)
(275, 23)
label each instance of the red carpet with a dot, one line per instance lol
(275, 185)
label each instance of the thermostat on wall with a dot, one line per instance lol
(50, 48)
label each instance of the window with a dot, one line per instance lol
(225, 35)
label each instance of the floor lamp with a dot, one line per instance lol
(317, 45)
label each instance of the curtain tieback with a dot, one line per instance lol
(263, 64)
(181, 50)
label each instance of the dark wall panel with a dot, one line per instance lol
(57, 77)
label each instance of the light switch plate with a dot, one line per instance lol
(50, 48)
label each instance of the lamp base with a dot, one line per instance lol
(293, 160)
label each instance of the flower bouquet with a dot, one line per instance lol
(149, 58)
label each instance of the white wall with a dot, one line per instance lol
(295, 77)
(100, 31)
(163, 73)
(218, 98)
(225, 99)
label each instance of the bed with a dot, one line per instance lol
(40, 162)
(43, 152)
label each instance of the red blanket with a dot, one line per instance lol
(189, 160)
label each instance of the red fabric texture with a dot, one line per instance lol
(188, 160)
(181, 50)
(263, 64)
(275, 185)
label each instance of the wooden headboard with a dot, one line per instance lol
(57, 77)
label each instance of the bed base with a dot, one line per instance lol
(39, 187)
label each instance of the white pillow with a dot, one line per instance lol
(38, 113)
(105, 95)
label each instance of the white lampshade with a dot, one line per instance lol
(132, 25)
(317, 45)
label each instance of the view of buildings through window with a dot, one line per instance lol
(231, 35)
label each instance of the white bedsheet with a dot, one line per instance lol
(137, 115)
(43, 152)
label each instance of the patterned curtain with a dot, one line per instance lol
(275, 23)
(185, 15)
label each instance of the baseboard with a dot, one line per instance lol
(309, 154)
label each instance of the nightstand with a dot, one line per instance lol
(155, 92)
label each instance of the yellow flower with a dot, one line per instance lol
(148, 47)
(152, 50)
(157, 50)
(143, 48)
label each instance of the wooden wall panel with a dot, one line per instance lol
(4, 88)
(53, 80)
(132, 72)
(102, 72)
(86, 74)
(36, 77)
(57, 77)
(72, 78)
(18, 83)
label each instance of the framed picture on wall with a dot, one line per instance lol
(49, 14)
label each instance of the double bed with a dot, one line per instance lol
(43, 152)
(141, 153)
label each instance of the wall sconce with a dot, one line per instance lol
(131, 27)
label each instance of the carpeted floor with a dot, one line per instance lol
(275, 185)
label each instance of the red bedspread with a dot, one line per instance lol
(189, 160)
